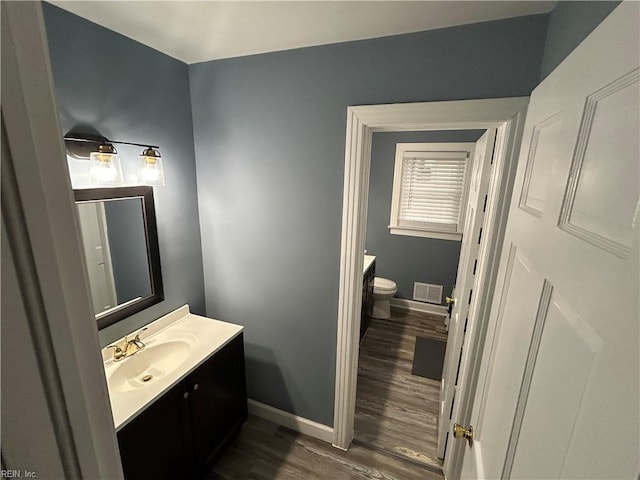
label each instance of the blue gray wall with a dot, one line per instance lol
(131, 92)
(269, 136)
(569, 23)
(401, 258)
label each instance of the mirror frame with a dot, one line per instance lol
(153, 248)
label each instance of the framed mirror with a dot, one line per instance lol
(120, 242)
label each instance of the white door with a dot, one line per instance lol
(93, 225)
(478, 188)
(558, 395)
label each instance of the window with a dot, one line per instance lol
(430, 186)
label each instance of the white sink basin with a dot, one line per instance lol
(149, 365)
(175, 345)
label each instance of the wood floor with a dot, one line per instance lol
(396, 421)
(266, 451)
(397, 412)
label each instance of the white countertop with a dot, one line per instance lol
(208, 336)
(368, 261)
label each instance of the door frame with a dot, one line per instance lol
(504, 114)
(57, 348)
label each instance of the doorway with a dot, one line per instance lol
(401, 358)
(506, 116)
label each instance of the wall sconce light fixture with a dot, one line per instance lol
(106, 169)
(150, 171)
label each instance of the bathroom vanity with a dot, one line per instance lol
(181, 399)
(369, 274)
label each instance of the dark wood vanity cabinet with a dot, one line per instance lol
(367, 299)
(181, 434)
(157, 443)
(218, 402)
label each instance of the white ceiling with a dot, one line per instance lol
(198, 31)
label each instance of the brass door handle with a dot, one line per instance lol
(450, 300)
(460, 432)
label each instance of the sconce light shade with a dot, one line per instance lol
(106, 170)
(150, 170)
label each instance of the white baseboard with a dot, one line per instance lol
(419, 306)
(289, 420)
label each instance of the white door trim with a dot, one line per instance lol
(505, 158)
(505, 114)
(43, 240)
(541, 317)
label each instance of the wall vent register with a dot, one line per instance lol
(426, 292)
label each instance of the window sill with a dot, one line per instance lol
(412, 232)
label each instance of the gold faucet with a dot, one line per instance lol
(128, 347)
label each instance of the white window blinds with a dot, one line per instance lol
(432, 190)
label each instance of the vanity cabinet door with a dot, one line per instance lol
(367, 299)
(157, 444)
(218, 401)
(371, 276)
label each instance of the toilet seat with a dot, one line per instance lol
(383, 285)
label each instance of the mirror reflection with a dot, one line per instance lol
(121, 251)
(115, 251)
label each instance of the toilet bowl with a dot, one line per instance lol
(383, 290)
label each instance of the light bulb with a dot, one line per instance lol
(106, 172)
(150, 171)
(106, 169)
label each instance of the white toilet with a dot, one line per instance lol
(383, 290)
